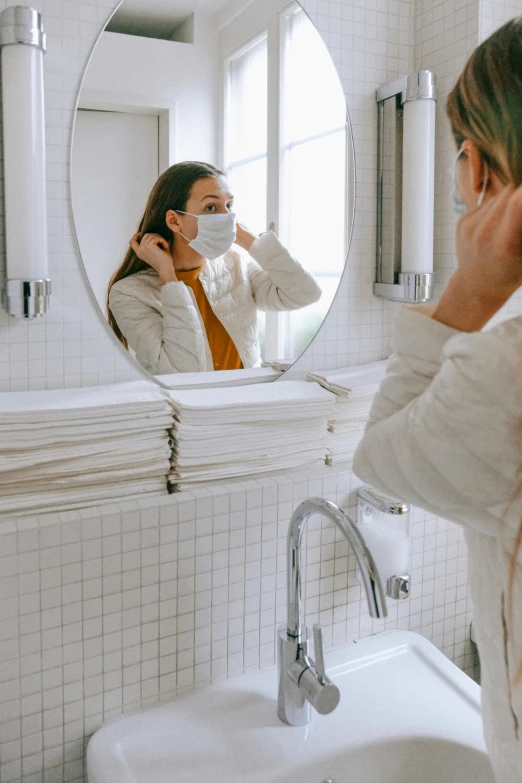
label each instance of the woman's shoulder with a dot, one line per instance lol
(509, 330)
(504, 339)
(139, 281)
(493, 358)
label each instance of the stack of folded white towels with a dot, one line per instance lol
(354, 388)
(78, 447)
(231, 433)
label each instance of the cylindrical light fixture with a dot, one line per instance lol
(414, 98)
(418, 174)
(22, 45)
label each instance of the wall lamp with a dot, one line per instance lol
(405, 188)
(27, 286)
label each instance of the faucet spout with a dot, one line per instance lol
(302, 681)
(374, 590)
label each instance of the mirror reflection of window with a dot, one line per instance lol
(302, 164)
(246, 131)
(245, 138)
(313, 155)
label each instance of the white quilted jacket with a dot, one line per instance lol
(445, 434)
(163, 324)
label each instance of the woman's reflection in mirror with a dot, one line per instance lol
(185, 298)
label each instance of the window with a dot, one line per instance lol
(313, 158)
(285, 135)
(246, 131)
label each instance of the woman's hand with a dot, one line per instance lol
(244, 237)
(489, 252)
(154, 250)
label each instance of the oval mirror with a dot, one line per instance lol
(212, 185)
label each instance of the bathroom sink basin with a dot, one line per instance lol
(406, 715)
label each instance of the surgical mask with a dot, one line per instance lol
(216, 233)
(458, 203)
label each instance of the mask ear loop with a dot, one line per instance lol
(484, 186)
(193, 215)
(458, 204)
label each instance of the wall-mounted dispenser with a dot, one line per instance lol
(22, 44)
(385, 524)
(405, 188)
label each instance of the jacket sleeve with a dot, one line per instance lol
(278, 280)
(444, 428)
(164, 342)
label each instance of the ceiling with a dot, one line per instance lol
(158, 18)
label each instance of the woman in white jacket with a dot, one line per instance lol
(445, 428)
(183, 300)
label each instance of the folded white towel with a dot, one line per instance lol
(32, 435)
(268, 464)
(91, 477)
(283, 395)
(74, 447)
(356, 412)
(351, 381)
(65, 499)
(230, 433)
(94, 402)
(114, 450)
(89, 426)
(198, 380)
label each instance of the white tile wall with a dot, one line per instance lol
(495, 13)
(103, 611)
(71, 347)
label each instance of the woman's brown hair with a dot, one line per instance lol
(485, 106)
(171, 191)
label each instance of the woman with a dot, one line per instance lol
(183, 300)
(445, 428)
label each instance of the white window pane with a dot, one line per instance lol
(248, 184)
(315, 203)
(301, 326)
(313, 98)
(246, 120)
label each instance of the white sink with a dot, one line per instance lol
(406, 715)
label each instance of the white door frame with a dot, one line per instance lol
(136, 104)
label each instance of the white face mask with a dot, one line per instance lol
(216, 234)
(458, 203)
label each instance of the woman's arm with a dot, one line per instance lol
(448, 440)
(444, 429)
(278, 280)
(164, 342)
(489, 252)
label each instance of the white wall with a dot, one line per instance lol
(184, 76)
(115, 166)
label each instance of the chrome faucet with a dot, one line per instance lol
(303, 681)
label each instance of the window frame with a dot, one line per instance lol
(273, 20)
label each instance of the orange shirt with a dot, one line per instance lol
(224, 352)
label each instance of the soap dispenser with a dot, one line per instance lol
(385, 524)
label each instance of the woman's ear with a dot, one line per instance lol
(477, 169)
(171, 219)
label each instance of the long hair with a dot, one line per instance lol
(171, 191)
(485, 106)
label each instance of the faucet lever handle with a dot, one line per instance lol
(318, 653)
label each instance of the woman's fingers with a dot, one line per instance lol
(163, 243)
(154, 239)
(489, 242)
